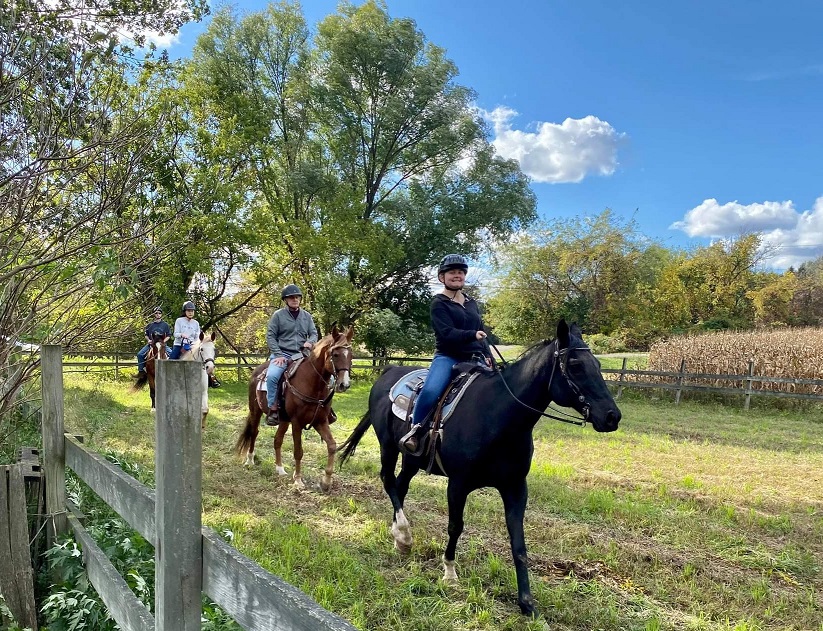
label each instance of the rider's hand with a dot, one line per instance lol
(309, 345)
(480, 335)
(280, 361)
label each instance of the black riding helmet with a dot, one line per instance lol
(290, 290)
(188, 305)
(453, 261)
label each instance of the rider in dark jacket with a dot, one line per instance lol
(459, 335)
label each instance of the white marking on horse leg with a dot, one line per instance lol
(401, 531)
(281, 470)
(449, 573)
(249, 459)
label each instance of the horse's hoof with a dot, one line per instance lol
(281, 470)
(402, 548)
(325, 483)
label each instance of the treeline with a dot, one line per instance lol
(629, 291)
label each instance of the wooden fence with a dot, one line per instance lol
(742, 385)
(679, 381)
(189, 559)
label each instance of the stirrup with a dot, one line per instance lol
(413, 443)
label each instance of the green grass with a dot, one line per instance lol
(688, 517)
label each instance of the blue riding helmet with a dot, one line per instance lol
(453, 261)
(188, 305)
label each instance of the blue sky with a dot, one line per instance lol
(701, 119)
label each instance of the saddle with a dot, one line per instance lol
(403, 395)
(261, 390)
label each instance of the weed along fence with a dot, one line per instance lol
(189, 559)
(742, 385)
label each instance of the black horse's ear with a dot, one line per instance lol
(563, 333)
(575, 330)
(213, 336)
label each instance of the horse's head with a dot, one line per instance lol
(580, 384)
(204, 352)
(159, 344)
(336, 355)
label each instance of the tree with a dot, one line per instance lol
(586, 270)
(75, 146)
(345, 150)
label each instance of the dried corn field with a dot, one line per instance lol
(786, 353)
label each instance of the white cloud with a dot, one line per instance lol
(711, 219)
(567, 152)
(793, 237)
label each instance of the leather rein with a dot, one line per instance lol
(319, 403)
(558, 360)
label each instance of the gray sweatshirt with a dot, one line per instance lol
(286, 334)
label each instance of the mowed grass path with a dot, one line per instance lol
(695, 517)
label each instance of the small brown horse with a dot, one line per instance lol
(157, 351)
(306, 397)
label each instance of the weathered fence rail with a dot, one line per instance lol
(680, 381)
(189, 559)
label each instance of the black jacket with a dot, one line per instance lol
(455, 327)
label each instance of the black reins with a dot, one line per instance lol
(557, 360)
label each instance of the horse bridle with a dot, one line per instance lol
(558, 361)
(335, 370)
(207, 359)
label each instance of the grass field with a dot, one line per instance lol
(695, 517)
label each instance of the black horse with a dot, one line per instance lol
(487, 442)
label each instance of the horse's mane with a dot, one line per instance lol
(322, 343)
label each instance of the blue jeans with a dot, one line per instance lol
(176, 351)
(141, 357)
(440, 374)
(273, 375)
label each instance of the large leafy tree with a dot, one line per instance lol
(347, 151)
(586, 270)
(73, 173)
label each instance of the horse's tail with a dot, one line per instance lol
(141, 381)
(348, 447)
(244, 441)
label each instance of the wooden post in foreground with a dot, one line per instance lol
(178, 549)
(54, 447)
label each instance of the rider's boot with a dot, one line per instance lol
(272, 416)
(411, 442)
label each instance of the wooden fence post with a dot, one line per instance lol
(178, 550)
(747, 385)
(54, 448)
(239, 369)
(621, 378)
(16, 579)
(116, 365)
(680, 382)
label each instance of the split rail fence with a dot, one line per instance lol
(745, 385)
(189, 559)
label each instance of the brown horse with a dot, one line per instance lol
(306, 402)
(157, 351)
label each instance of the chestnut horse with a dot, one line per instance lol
(306, 395)
(157, 351)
